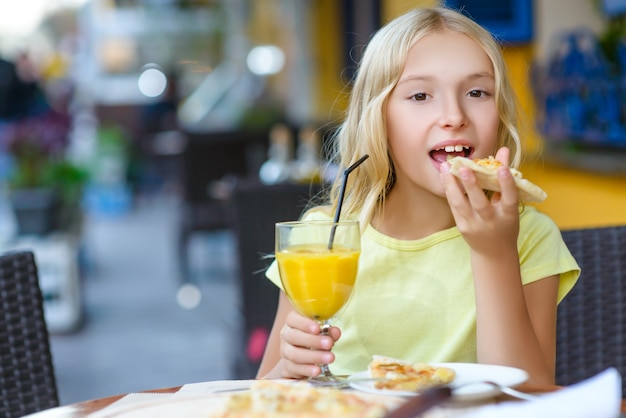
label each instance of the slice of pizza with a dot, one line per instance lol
(405, 376)
(279, 399)
(486, 172)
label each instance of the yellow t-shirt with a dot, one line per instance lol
(414, 300)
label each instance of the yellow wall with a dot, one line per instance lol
(518, 61)
(328, 56)
(578, 199)
(394, 8)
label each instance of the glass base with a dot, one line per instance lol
(326, 377)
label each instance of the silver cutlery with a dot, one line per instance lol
(430, 398)
(503, 389)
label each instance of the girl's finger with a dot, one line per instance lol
(509, 198)
(295, 320)
(452, 185)
(304, 357)
(503, 155)
(476, 195)
(298, 338)
(301, 362)
(299, 371)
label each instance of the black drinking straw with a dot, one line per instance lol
(346, 172)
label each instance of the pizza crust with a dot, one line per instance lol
(486, 169)
(405, 376)
(281, 399)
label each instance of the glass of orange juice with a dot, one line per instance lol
(318, 262)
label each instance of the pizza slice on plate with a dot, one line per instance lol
(405, 376)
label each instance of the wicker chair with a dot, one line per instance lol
(208, 158)
(27, 380)
(591, 322)
(254, 210)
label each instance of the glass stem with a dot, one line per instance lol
(324, 330)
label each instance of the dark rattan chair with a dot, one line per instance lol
(591, 323)
(208, 158)
(27, 380)
(255, 208)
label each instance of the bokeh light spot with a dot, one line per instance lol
(152, 82)
(189, 296)
(266, 60)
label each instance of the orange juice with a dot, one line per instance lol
(318, 281)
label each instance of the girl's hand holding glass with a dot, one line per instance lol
(318, 263)
(303, 347)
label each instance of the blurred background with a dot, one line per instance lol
(147, 147)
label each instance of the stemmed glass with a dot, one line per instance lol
(318, 262)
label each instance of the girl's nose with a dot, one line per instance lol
(452, 115)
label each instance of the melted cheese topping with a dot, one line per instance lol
(404, 376)
(488, 162)
(298, 399)
(493, 164)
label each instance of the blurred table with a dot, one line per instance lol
(84, 409)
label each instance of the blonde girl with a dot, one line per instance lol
(447, 273)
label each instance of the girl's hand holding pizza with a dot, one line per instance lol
(488, 225)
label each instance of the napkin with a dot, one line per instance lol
(596, 397)
(128, 401)
(189, 391)
(203, 388)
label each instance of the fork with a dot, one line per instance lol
(504, 389)
(435, 396)
(341, 382)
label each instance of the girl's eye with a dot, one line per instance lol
(477, 93)
(419, 97)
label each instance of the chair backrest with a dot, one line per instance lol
(591, 322)
(255, 210)
(27, 379)
(210, 157)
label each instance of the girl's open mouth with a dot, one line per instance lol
(442, 154)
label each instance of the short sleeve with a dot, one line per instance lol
(543, 252)
(273, 275)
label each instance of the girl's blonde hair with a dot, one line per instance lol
(363, 130)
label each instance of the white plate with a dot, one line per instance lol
(465, 373)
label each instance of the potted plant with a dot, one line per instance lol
(45, 187)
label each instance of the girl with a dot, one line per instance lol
(447, 273)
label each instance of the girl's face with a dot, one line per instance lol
(443, 105)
